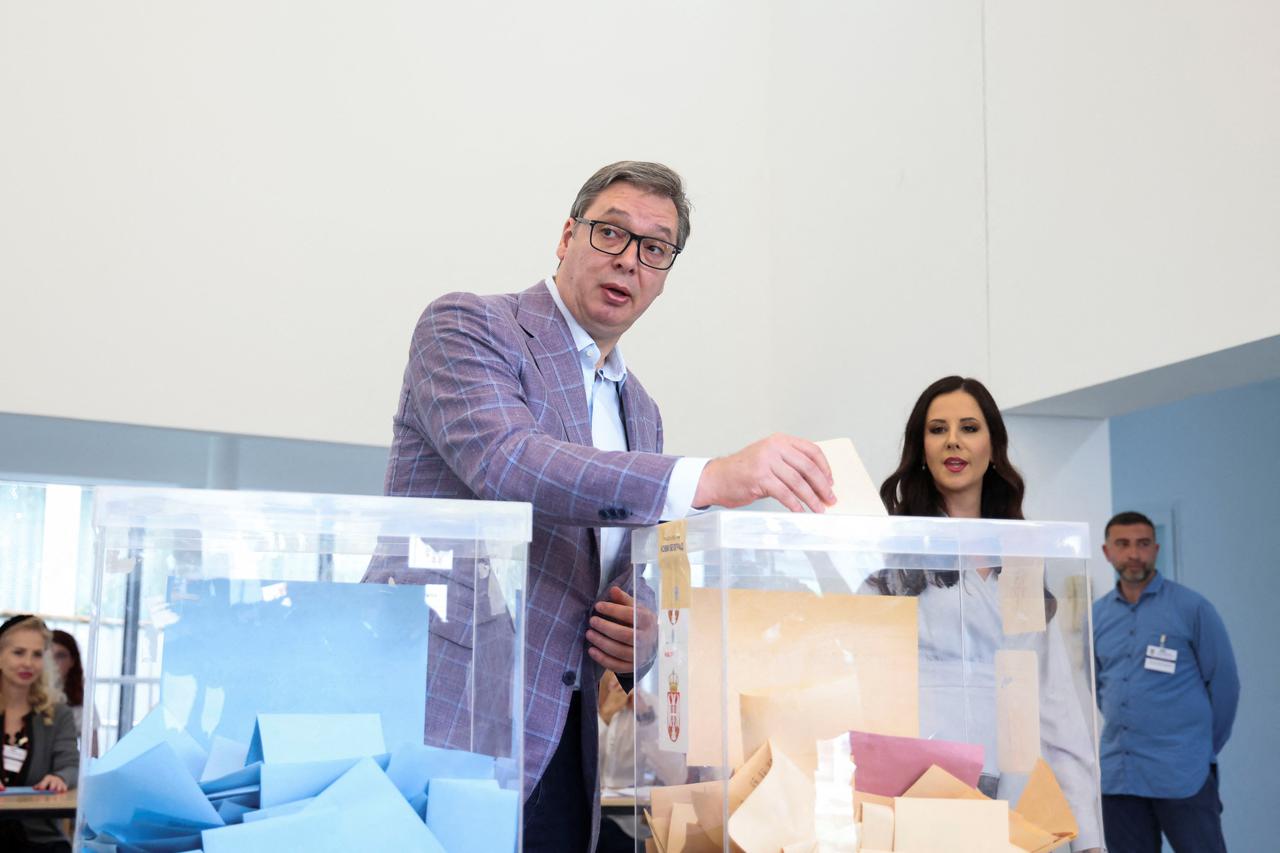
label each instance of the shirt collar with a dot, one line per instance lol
(615, 367)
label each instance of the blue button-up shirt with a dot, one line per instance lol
(1162, 729)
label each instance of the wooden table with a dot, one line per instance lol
(38, 805)
(617, 802)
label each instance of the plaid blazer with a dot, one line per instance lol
(493, 408)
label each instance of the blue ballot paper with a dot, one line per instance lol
(286, 783)
(178, 844)
(278, 811)
(240, 648)
(233, 810)
(472, 815)
(236, 781)
(302, 831)
(155, 787)
(19, 790)
(225, 756)
(413, 765)
(315, 737)
(362, 810)
(158, 726)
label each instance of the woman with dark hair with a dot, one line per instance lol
(955, 463)
(66, 657)
(39, 734)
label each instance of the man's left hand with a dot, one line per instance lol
(611, 639)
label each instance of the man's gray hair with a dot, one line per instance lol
(651, 177)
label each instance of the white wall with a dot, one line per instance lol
(878, 272)
(227, 216)
(1066, 463)
(1133, 186)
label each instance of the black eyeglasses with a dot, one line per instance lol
(614, 240)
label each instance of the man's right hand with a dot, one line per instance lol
(792, 471)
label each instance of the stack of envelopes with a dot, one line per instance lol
(899, 794)
(305, 782)
(940, 813)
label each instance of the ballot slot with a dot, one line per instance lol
(866, 683)
(306, 671)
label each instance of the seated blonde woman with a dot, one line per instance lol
(39, 734)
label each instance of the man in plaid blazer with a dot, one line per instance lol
(525, 397)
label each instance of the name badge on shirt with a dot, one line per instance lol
(14, 758)
(1161, 659)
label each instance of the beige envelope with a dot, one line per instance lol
(802, 847)
(1043, 804)
(684, 835)
(877, 826)
(796, 718)
(708, 798)
(778, 812)
(922, 825)
(938, 783)
(856, 492)
(781, 638)
(1017, 710)
(1021, 591)
(861, 798)
(660, 828)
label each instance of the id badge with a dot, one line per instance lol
(1161, 659)
(14, 758)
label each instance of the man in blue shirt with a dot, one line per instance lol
(1168, 690)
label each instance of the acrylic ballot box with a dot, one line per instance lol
(844, 683)
(305, 672)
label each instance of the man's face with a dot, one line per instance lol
(1131, 549)
(607, 293)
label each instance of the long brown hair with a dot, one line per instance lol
(910, 490)
(73, 684)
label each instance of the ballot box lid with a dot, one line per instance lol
(869, 534)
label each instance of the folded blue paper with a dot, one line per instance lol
(360, 811)
(233, 810)
(414, 765)
(155, 785)
(300, 831)
(158, 726)
(287, 783)
(225, 756)
(240, 648)
(277, 811)
(19, 790)
(245, 777)
(147, 827)
(178, 844)
(472, 815)
(315, 737)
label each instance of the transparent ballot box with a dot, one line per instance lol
(305, 672)
(843, 683)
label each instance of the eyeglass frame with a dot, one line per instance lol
(633, 238)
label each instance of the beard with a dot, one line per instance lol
(1140, 573)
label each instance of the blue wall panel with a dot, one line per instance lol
(1212, 463)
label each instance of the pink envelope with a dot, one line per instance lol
(888, 765)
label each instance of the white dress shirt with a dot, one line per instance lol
(603, 387)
